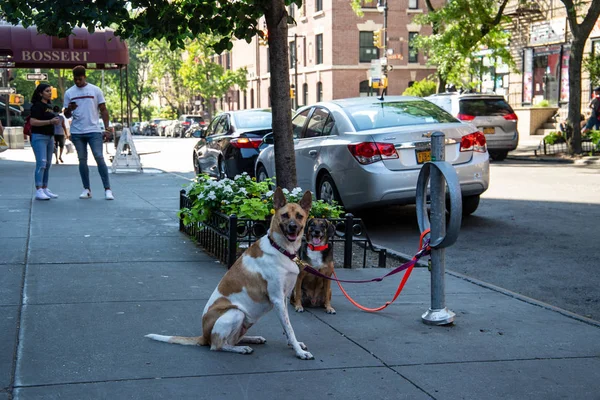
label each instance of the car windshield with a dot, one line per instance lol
(255, 119)
(485, 107)
(397, 113)
(194, 119)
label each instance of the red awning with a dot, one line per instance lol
(24, 48)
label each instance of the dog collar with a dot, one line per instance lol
(318, 248)
(291, 256)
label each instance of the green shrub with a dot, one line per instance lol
(244, 197)
(554, 137)
(542, 103)
(421, 88)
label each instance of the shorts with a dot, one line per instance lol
(59, 141)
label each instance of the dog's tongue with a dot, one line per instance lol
(316, 241)
(291, 238)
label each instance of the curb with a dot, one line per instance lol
(405, 257)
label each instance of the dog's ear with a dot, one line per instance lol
(330, 229)
(307, 225)
(279, 199)
(306, 202)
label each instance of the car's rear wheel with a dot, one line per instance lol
(498, 155)
(470, 204)
(261, 174)
(327, 191)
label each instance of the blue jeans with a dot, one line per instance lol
(43, 149)
(94, 139)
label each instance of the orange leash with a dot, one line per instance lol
(400, 286)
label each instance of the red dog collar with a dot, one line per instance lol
(318, 248)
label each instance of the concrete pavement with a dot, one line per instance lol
(82, 282)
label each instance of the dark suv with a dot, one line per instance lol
(184, 122)
(490, 113)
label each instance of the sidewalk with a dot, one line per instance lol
(530, 149)
(82, 282)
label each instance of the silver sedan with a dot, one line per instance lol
(367, 152)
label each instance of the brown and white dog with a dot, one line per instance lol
(310, 289)
(260, 280)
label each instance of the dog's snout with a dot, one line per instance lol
(292, 227)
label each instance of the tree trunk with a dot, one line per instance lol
(285, 159)
(573, 120)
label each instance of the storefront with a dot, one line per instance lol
(546, 64)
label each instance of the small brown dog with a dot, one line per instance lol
(312, 290)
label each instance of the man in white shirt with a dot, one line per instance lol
(84, 102)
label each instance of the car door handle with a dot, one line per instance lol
(312, 153)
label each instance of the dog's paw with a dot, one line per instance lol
(245, 349)
(305, 355)
(299, 308)
(302, 345)
(330, 310)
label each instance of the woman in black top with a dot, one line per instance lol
(42, 121)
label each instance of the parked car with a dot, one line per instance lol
(162, 125)
(491, 114)
(152, 127)
(135, 128)
(365, 152)
(170, 128)
(229, 146)
(185, 121)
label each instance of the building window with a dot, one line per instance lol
(228, 61)
(413, 54)
(367, 51)
(292, 11)
(60, 43)
(318, 5)
(319, 91)
(413, 4)
(302, 9)
(268, 60)
(269, 99)
(319, 49)
(292, 55)
(368, 4)
(245, 100)
(305, 94)
(251, 98)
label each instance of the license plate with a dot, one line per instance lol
(423, 156)
(489, 131)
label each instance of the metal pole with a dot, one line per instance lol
(295, 71)
(438, 314)
(7, 99)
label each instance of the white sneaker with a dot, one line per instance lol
(108, 195)
(41, 195)
(86, 194)
(50, 194)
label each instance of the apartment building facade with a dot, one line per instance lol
(331, 51)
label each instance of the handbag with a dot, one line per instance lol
(69, 146)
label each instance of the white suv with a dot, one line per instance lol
(490, 113)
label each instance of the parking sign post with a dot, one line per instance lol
(442, 173)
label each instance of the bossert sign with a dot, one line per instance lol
(66, 56)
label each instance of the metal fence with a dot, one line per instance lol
(224, 236)
(557, 148)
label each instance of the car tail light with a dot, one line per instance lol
(465, 117)
(370, 152)
(511, 117)
(473, 142)
(246, 143)
(185, 123)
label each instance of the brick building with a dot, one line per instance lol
(334, 49)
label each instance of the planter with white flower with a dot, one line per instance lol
(228, 215)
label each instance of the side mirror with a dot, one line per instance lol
(268, 139)
(197, 134)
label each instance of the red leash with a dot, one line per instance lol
(409, 268)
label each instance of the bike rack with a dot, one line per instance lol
(439, 174)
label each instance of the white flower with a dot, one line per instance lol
(211, 196)
(227, 189)
(269, 193)
(285, 191)
(243, 191)
(235, 178)
(296, 191)
(225, 201)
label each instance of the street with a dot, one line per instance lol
(535, 232)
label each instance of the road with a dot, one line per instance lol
(536, 232)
